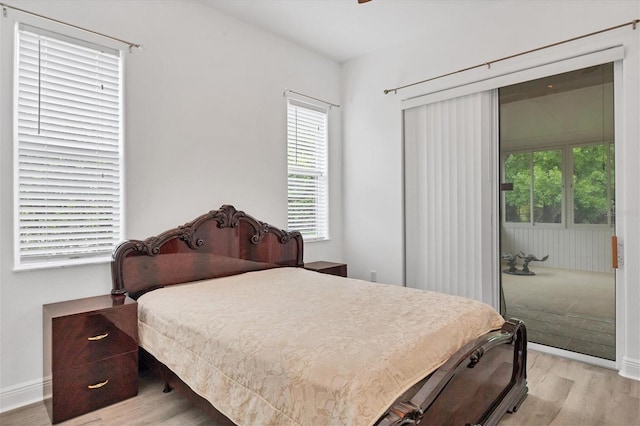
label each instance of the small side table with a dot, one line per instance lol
(332, 268)
(91, 353)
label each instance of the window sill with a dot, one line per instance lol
(315, 240)
(19, 267)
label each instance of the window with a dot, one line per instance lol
(517, 170)
(538, 180)
(593, 201)
(537, 187)
(307, 170)
(68, 150)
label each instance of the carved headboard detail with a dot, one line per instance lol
(219, 243)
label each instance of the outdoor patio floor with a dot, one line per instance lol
(566, 309)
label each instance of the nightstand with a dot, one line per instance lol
(331, 268)
(91, 354)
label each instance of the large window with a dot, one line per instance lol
(538, 182)
(68, 150)
(307, 170)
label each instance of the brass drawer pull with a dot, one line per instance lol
(98, 337)
(98, 385)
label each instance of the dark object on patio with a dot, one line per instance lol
(526, 258)
(512, 260)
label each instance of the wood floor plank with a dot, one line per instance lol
(561, 392)
(597, 396)
(595, 401)
(544, 402)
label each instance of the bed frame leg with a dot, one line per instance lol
(519, 400)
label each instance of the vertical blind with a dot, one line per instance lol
(307, 170)
(68, 149)
(448, 196)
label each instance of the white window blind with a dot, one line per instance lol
(68, 192)
(307, 170)
(449, 196)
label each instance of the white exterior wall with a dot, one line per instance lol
(568, 248)
(205, 125)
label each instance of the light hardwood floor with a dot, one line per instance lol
(561, 392)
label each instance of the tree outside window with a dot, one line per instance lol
(517, 170)
(592, 184)
(547, 186)
(537, 187)
(538, 195)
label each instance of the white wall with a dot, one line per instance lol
(373, 197)
(205, 125)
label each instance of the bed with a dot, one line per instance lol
(228, 315)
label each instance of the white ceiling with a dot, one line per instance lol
(343, 29)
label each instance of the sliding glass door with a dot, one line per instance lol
(557, 169)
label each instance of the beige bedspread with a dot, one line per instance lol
(288, 346)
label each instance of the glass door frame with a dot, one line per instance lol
(619, 286)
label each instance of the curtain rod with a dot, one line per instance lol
(4, 13)
(633, 23)
(310, 97)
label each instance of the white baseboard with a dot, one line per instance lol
(17, 396)
(630, 368)
(598, 362)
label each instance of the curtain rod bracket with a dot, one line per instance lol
(135, 46)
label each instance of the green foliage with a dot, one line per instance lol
(590, 184)
(537, 181)
(517, 170)
(547, 186)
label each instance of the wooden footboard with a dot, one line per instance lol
(477, 386)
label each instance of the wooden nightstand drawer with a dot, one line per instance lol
(91, 386)
(82, 339)
(91, 353)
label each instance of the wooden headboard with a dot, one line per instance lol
(219, 243)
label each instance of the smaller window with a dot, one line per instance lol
(537, 187)
(547, 186)
(593, 173)
(517, 170)
(308, 180)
